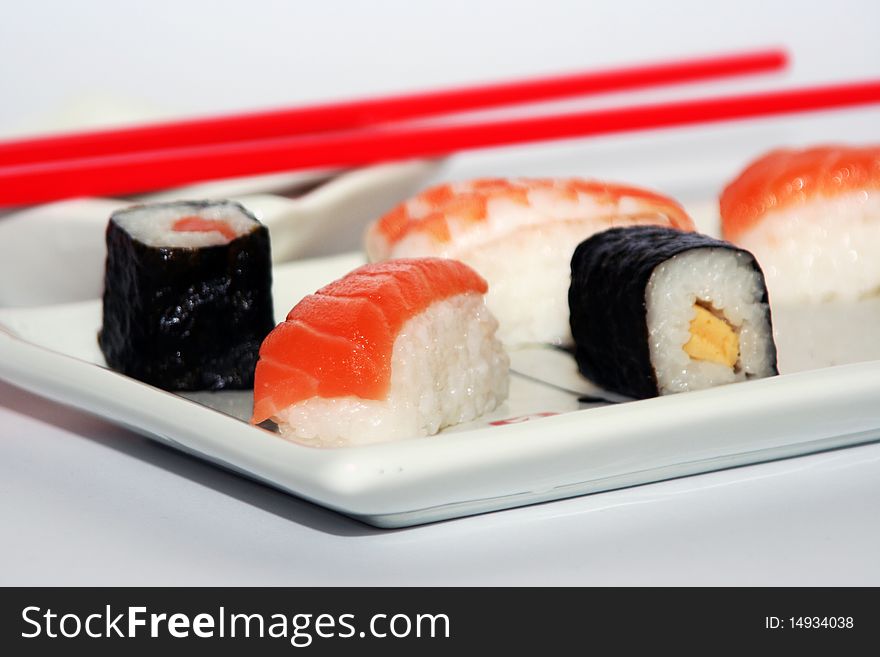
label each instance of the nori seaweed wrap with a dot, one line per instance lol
(657, 311)
(187, 294)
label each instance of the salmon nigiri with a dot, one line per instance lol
(812, 219)
(392, 350)
(520, 235)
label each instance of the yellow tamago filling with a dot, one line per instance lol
(712, 338)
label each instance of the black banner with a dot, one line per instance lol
(433, 621)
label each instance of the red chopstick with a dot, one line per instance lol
(139, 172)
(360, 113)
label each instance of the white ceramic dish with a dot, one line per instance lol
(59, 248)
(544, 449)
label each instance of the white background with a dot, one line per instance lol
(84, 502)
(197, 56)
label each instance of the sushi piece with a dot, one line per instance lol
(656, 311)
(812, 219)
(519, 234)
(187, 295)
(393, 350)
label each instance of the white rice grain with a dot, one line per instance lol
(820, 251)
(724, 280)
(447, 367)
(152, 224)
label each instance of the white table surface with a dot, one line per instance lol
(85, 502)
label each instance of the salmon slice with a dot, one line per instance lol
(194, 224)
(785, 177)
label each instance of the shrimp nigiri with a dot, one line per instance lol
(520, 235)
(812, 219)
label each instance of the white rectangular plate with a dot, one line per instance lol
(554, 447)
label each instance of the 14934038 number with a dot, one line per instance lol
(816, 622)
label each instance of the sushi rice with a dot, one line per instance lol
(153, 225)
(724, 281)
(820, 251)
(446, 366)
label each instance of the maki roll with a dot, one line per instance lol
(812, 219)
(519, 235)
(656, 311)
(393, 350)
(187, 294)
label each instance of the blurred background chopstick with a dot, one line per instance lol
(150, 170)
(353, 114)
